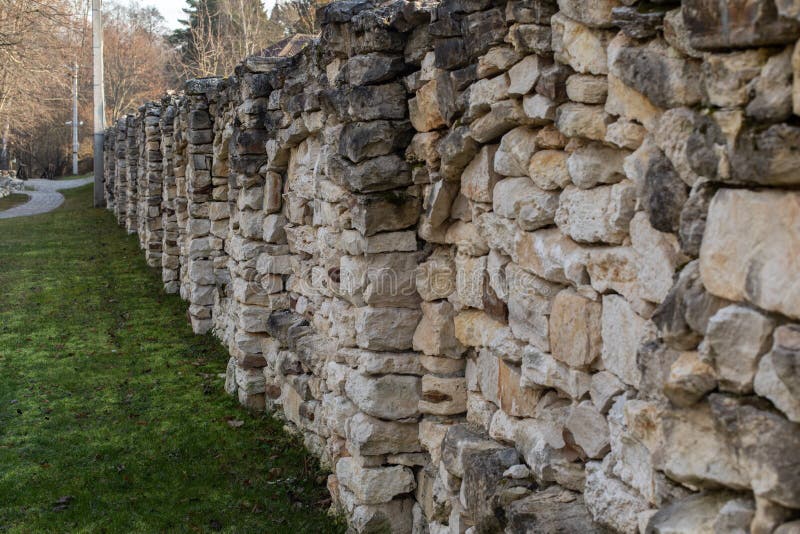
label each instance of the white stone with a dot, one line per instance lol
(479, 177)
(751, 248)
(599, 215)
(385, 397)
(386, 328)
(542, 370)
(374, 485)
(595, 164)
(580, 47)
(588, 430)
(548, 169)
(736, 337)
(518, 198)
(623, 332)
(514, 154)
(524, 75)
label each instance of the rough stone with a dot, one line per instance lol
(385, 397)
(575, 329)
(599, 215)
(749, 244)
(580, 47)
(623, 332)
(374, 485)
(737, 337)
(777, 378)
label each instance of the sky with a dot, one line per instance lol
(172, 10)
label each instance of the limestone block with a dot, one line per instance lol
(611, 502)
(796, 80)
(625, 134)
(529, 302)
(443, 396)
(531, 38)
(737, 25)
(386, 328)
(386, 279)
(736, 338)
(379, 363)
(706, 512)
(595, 164)
(690, 378)
(387, 211)
(471, 280)
(483, 93)
(385, 396)
(513, 156)
(772, 89)
(766, 445)
(479, 177)
(777, 377)
(456, 149)
(518, 198)
(548, 169)
(370, 175)
(629, 104)
(467, 238)
(582, 120)
(658, 256)
(691, 142)
(460, 442)
(424, 109)
(540, 369)
(503, 116)
(657, 71)
(599, 215)
(696, 451)
(475, 328)
(587, 89)
(726, 76)
(579, 46)
(436, 278)
(539, 109)
(749, 248)
(623, 332)
(435, 334)
(512, 398)
(367, 436)
(575, 329)
(551, 255)
(496, 60)
(595, 14)
(553, 509)
(524, 75)
(374, 485)
(604, 387)
(587, 429)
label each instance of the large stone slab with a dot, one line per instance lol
(751, 248)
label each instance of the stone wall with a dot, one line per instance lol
(517, 266)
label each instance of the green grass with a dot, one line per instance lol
(73, 177)
(14, 199)
(113, 416)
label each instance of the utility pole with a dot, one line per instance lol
(99, 102)
(75, 144)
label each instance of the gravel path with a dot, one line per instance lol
(44, 198)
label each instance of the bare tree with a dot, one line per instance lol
(137, 57)
(220, 34)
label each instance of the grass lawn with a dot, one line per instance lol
(14, 199)
(73, 177)
(112, 413)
